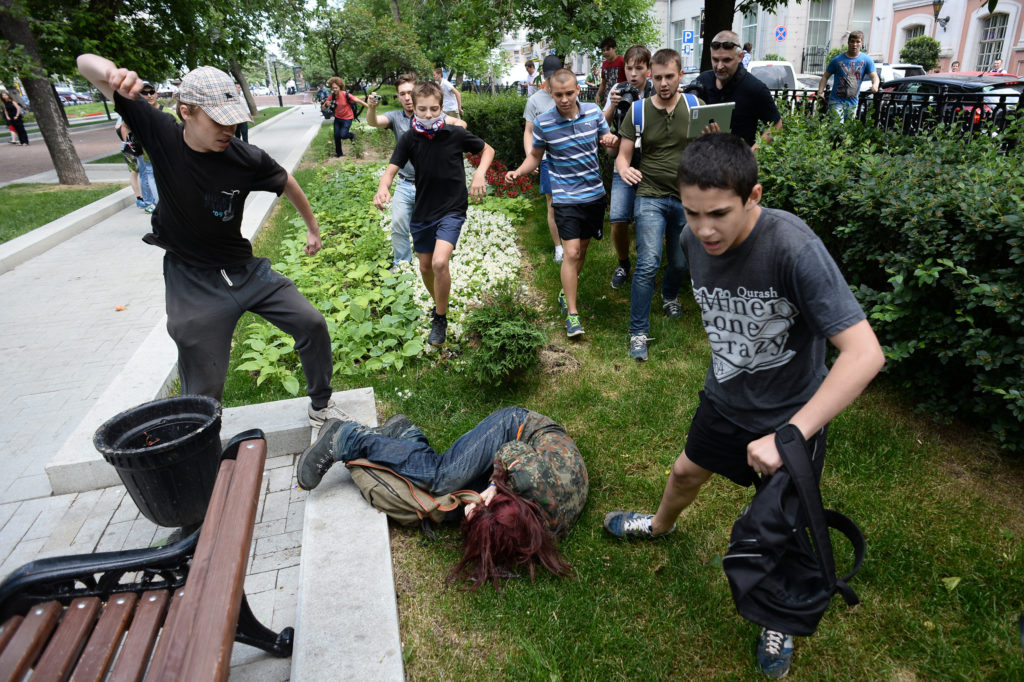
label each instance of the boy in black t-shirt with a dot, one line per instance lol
(211, 276)
(435, 150)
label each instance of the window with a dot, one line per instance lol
(698, 36)
(819, 23)
(677, 35)
(993, 34)
(861, 20)
(911, 32)
(749, 32)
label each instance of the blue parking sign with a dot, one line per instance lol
(687, 37)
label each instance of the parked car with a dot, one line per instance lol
(887, 72)
(68, 96)
(776, 75)
(966, 97)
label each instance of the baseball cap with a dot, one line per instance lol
(214, 92)
(551, 64)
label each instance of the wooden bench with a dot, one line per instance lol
(166, 613)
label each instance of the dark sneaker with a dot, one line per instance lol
(317, 458)
(774, 653)
(394, 426)
(631, 525)
(562, 305)
(672, 308)
(317, 418)
(620, 277)
(573, 326)
(438, 329)
(638, 347)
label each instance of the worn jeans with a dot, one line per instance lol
(342, 132)
(147, 182)
(401, 213)
(467, 464)
(658, 219)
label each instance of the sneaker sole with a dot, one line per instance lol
(575, 334)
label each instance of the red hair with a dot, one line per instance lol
(503, 536)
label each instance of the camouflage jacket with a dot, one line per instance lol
(545, 466)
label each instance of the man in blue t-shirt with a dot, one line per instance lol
(848, 70)
(570, 132)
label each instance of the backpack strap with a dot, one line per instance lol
(419, 495)
(795, 457)
(637, 110)
(691, 99)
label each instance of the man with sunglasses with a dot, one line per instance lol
(729, 81)
(147, 180)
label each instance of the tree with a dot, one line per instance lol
(579, 27)
(14, 25)
(922, 50)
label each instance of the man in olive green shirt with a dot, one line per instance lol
(658, 212)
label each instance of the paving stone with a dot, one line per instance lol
(278, 543)
(261, 582)
(114, 538)
(266, 529)
(280, 479)
(296, 513)
(273, 562)
(275, 506)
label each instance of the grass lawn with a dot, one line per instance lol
(26, 206)
(940, 506)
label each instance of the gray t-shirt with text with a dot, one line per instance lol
(767, 307)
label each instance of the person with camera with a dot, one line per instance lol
(729, 81)
(340, 102)
(659, 215)
(399, 121)
(636, 86)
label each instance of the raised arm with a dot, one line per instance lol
(382, 122)
(108, 78)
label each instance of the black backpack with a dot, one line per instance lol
(780, 565)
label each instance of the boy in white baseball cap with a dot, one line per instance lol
(211, 276)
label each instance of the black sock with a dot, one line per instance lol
(624, 264)
(138, 198)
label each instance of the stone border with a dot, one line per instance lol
(40, 240)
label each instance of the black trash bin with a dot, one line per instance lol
(167, 453)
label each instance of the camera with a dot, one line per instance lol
(628, 93)
(375, 98)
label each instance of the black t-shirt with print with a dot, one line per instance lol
(202, 194)
(754, 103)
(440, 175)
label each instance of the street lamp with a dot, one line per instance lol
(937, 7)
(278, 79)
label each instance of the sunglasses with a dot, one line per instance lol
(149, 92)
(723, 46)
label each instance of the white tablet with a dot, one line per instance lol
(701, 116)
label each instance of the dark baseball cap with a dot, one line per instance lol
(551, 64)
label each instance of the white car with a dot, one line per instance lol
(776, 75)
(888, 72)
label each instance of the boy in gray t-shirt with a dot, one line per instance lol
(769, 295)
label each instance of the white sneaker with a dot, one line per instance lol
(317, 418)
(558, 253)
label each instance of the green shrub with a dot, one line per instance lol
(504, 334)
(498, 119)
(774, 57)
(930, 233)
(922, 50)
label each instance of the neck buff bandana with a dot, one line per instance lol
(428, 127)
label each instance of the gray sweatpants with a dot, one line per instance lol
(205, 304)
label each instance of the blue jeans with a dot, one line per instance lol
(622, 200)
(658, 219)
(467, 464)
(401, 213)
(341, 132)
(147, 182)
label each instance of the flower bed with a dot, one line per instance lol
(378, 320)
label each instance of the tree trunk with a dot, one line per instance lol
(49, 115)
(236, 71)
(395, 13)
(717, 17)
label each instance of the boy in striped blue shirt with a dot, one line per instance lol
(570, 132)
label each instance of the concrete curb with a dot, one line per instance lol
(42, 239)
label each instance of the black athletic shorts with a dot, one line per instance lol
(720, 446)
(580, 221)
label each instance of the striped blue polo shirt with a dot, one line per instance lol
(572, 152)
